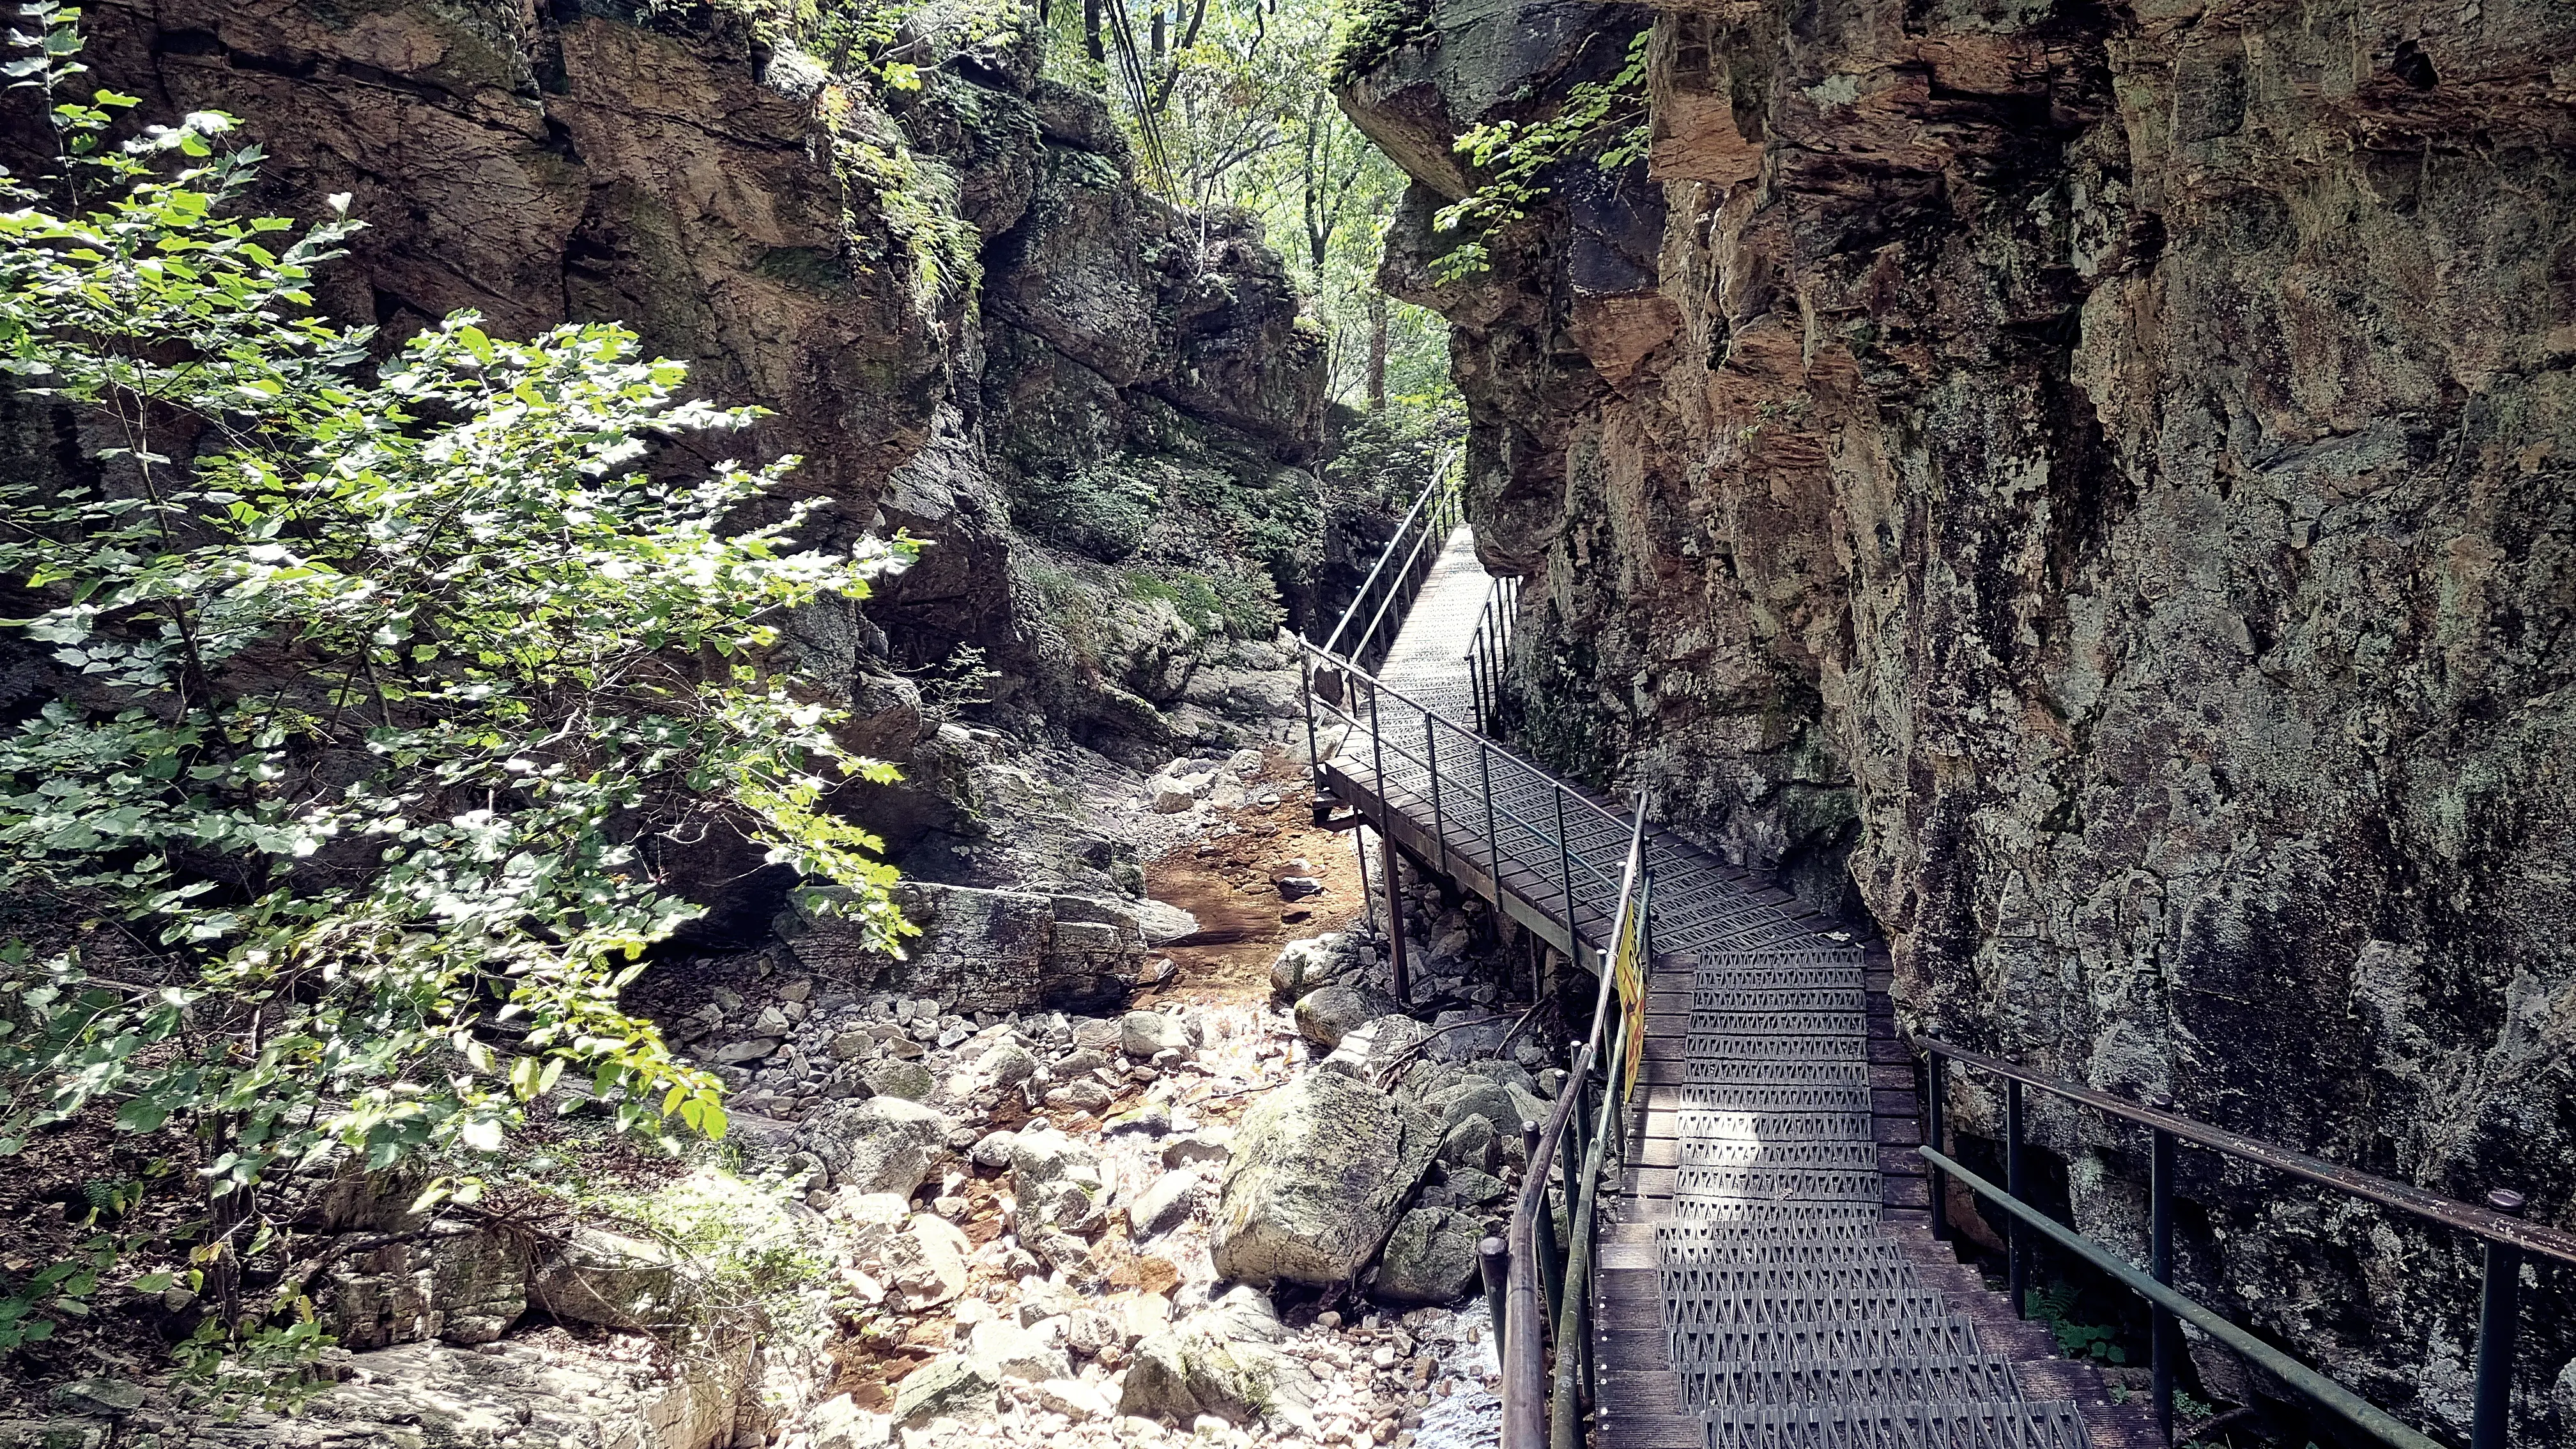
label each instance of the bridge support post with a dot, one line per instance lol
(1400, 968)
(2017, 1244)
(1939, 1181)
(2166, 1341)
(2499, 1314)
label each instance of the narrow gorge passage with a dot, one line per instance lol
(1753, 1292)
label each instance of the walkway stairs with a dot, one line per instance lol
(1768, 1279)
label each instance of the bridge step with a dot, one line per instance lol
(2009, 1424)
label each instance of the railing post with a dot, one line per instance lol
(1306, 697)
(1551, 1273)
(1431, 763)
(1494, 1263)
(1493, 832)
(2499, 1315)
(1377, 747)
(1565, 875)
(1934, 1083)
(1399, 967)
(1368, 898)
(2016, 1242)
(2166, 1343)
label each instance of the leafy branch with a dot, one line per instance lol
(1607, 117)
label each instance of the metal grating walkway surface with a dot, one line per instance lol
(1752, 1293)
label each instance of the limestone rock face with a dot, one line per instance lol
(458, 1284)
(1986, 480)
(987, 950)
(1318, 1169)
(744, 211)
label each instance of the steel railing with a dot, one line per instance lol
(1359, 703)
(1544, 1410)
(2507, 1241)
(1489, 652)
(1397, 576)
(1539, 1291)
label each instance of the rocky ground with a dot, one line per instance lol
(1242, 1206)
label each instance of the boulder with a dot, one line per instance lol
(1143, 1033)
(889, 1077)
(1430, 1257)
(1317, 1172)
(1000, 1350)
(1303, 966)
(607, 1279)
(869, 1220)
(1075, 1399)
(1470, 1034)
(1181, 1373)
(943, 1385)
(993, 1149)
(1163, 1204)
(1007, 1065)
(1327, 1015)
(926, 1262)
(1476, 1097)
(883, 1144)
(1205, 1145)
(1057, 1182)
(1474, 1188)
(1153, 1119)
(1162, 923)
(839, 1423)
(1473, 1142)
(1374, 1049)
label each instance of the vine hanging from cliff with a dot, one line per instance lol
(1604, 117)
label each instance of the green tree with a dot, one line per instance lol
(378, 685)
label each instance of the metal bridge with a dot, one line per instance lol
(1752, 1255)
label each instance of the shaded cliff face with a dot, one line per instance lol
(961, 312)
(2090, 486)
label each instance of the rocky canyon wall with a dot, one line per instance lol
(960, 309)
(2092, 487)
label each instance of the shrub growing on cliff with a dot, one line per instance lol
(379, 687)
(1605, 118)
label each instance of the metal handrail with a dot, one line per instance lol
(1529, 1420)
(2506, 1239)
(1420, 502)
(1489, 652)
(1435, 513)
(1381, 742)
(1345, 666)
(2359, 1411)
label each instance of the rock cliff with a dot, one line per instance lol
(2089, 487)
(960, 310)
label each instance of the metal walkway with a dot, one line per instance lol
(1760, 1287)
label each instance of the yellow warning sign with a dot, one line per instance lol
(1628, 967)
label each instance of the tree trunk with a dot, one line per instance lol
(1091, 42)
(1377, 351)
